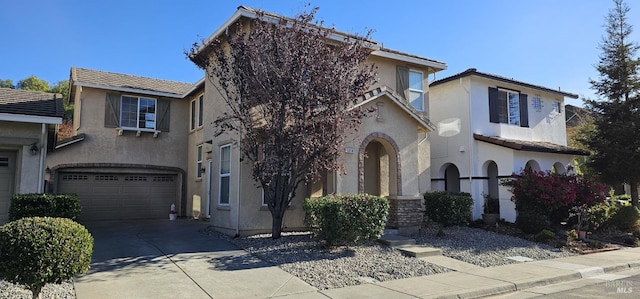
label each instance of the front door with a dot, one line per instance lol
(7, 176)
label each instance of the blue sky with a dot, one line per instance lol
(546, 42)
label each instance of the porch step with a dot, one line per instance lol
(396, 240)
(419, 251)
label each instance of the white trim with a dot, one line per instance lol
(200, 111)
(208, 187)
(395, 100)
(30, 118)
(155, 120)
(193, 108)
(438, 66)
(421, 91)
(199, 160)
(221, 175)
(128, 89)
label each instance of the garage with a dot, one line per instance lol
(7, 173)
(120, 196)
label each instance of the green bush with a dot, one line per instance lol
(545, 235)
(448, 208)
(44, 205)
(624, 218)
(597, 215)
(346, 219)
(532, 222)
(35, 251)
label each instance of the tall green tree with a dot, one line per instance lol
(62, 87)
(8, 83)
(33, 83)
(613, 140)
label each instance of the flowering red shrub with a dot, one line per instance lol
(544, 193)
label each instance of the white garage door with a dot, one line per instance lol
(116, 196)
(7, 173)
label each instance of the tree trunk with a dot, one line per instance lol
(276, 226)
(634, 193)
(36, 292)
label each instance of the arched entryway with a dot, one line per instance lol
(379, 166)
(532, 165)
(452, 178)
(492, 180)
(558, 168)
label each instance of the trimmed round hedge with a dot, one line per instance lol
(35, 251)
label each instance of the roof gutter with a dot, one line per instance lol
(128, 89)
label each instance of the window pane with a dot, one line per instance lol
(514, 109)
(224, 190)
(193, 115)
(415, 80)
(129, 112)
(200, 110)
(415, 97)
(225, 159)
(147, 113)
(503, 114)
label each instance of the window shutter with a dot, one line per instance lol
(524, 111)
(402, 81)
(163, 115)
(494, 109)
(112, 111)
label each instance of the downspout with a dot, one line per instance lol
(238, 194)
(471, 148)
(43, 153)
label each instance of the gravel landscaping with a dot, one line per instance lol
(323, 268)
(59, 291)
(484, 248)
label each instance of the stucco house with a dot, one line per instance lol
(489, 127)
(27, 125)
(141, 144)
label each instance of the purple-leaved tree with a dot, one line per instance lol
(291, 90)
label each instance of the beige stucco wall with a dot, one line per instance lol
(16, 136)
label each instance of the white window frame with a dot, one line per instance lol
(137, 127)
(537, 103)
(200, 110)
(192, 115)
(421, 91)
(508, 99)
(224, 175)
(556, 107)
(199, 155)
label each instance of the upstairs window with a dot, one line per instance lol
(192, 123)
(416, 90)
(200, 110)
(508, 107)
(410, 84)
(199, 161)
(556, 106)
(138, 113)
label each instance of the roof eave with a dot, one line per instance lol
(128, 89)
(436, 66)
(26, 118)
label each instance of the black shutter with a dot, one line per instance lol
(163, 115)
(402, 81)
(494, 111)
(524, 111)
(112, 111)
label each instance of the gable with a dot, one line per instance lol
(370, 96)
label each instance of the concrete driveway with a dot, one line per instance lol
(172, 259)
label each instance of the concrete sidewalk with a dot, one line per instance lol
(171, 259)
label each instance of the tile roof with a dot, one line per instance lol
(16, 101)
(531, 146)
(473, 71)
(128, 81)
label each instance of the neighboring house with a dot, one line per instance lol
(490, 127)
(396, 163)
(27, 129)
(127, 158)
